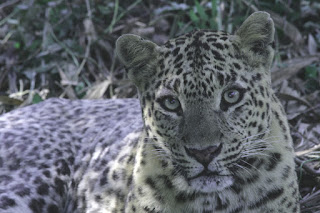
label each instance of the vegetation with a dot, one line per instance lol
(59, 48)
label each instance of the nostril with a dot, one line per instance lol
(204, 156)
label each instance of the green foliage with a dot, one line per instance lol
(67, 47)
(311, 72)
(36, 98)
(80, 90)
(201, 19)
(312, 82)
(17, 45)
(47, 36)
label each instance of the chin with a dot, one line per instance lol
(212, 183)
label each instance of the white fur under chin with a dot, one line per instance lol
(208, 184)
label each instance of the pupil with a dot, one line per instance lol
(231, 94)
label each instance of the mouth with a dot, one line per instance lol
(209, 181)
(206, 173)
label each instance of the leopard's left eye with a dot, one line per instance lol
(231, 96)
(170, 103)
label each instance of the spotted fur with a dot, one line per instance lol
(209, 154)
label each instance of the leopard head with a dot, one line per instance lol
(205, 99)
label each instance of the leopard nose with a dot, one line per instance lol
(204, 156)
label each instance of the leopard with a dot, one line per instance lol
(207, 134)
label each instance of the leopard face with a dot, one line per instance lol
(205, 99)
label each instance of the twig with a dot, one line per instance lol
(302, 135)
(75, 60)
(304, 152)
(89, 37)
(3, 75)
(254, 8)
(116, 19)
(288, 28)
(46, 27)
(3, 21)
(294, 65)
(289, 97)
(8, 3)
(304, 164)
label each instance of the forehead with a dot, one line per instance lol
(202, 58)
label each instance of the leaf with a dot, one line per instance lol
(293, 66)
(214, 8)
(288, 28)
(203, 16)
(36, 98)
(212, 21)
(97, 91)
(312, 45)
(17, 45)
(80, 90)
(10, 101)
(194, 18)
(311, 72)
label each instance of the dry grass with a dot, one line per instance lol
(58, 49)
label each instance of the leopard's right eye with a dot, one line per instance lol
(170, 103)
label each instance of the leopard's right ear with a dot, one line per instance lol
(139, 56)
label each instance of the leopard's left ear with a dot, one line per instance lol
(139, 56)
(256, 39)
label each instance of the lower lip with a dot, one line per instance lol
(205, 174)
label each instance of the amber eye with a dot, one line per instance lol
(170, 103)
(231, 96)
